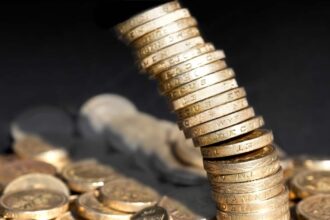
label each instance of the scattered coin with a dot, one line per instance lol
(87, 175)
(309, 183)
(33, 147)
(12, 170)
(178, 211)
(151, 213)
(36, 181)
(34, 204)
(90, 208)
(316, 207)
(127, 195)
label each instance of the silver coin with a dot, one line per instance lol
(178, 211)
(101, 111)
(42, 121)
(151, 213)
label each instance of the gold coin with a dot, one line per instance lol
(251, 186)
(167, 41)
(12, 170)
(34, 204)
(282, 213)
(164, 31)
(90, 208)
(220, 123)
(8, 158)
(309, 183)
(249, 142)
(219, 65)
(180, 58)
(213, 113)
(314, 208)
(242, 198)
(242, 163)
(265, 205)
(32, 147)
(170, 51)
(127, 195)
(198, 84)
(230, 132)
(146, 16)
(152, 25)
(86, 176)
(36, 181)
(203, 94)
(177, 210)
(191, 64)
(314, 162)
(257, 173)
(212, 102)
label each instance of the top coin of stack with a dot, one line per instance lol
(239, 156)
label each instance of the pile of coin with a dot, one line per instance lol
(32, 188)
(239, 156)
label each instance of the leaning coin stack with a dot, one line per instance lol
(239, 156)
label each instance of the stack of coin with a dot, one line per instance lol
(239, 156)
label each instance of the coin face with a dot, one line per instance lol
(178, 211)
(12, 170)
(128, 195)
(34, 204)
(36, 181)
(85, 176)
(315, 207)
(151, 213)
(311, 182)
(90, 208)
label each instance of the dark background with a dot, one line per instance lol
(62, 52)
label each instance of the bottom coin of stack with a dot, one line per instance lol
(249, 186)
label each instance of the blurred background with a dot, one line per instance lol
(63, 52)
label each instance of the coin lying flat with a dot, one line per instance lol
(100, 111)
(178, 211)
(34, 204)
(36, 121)
(10, 171)
(151, 213)
(127, 195)
(313, 162)
(33, 147)
(86, 176)
(315, 207)
(90, 208)
(309, 183)
(36, 181)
